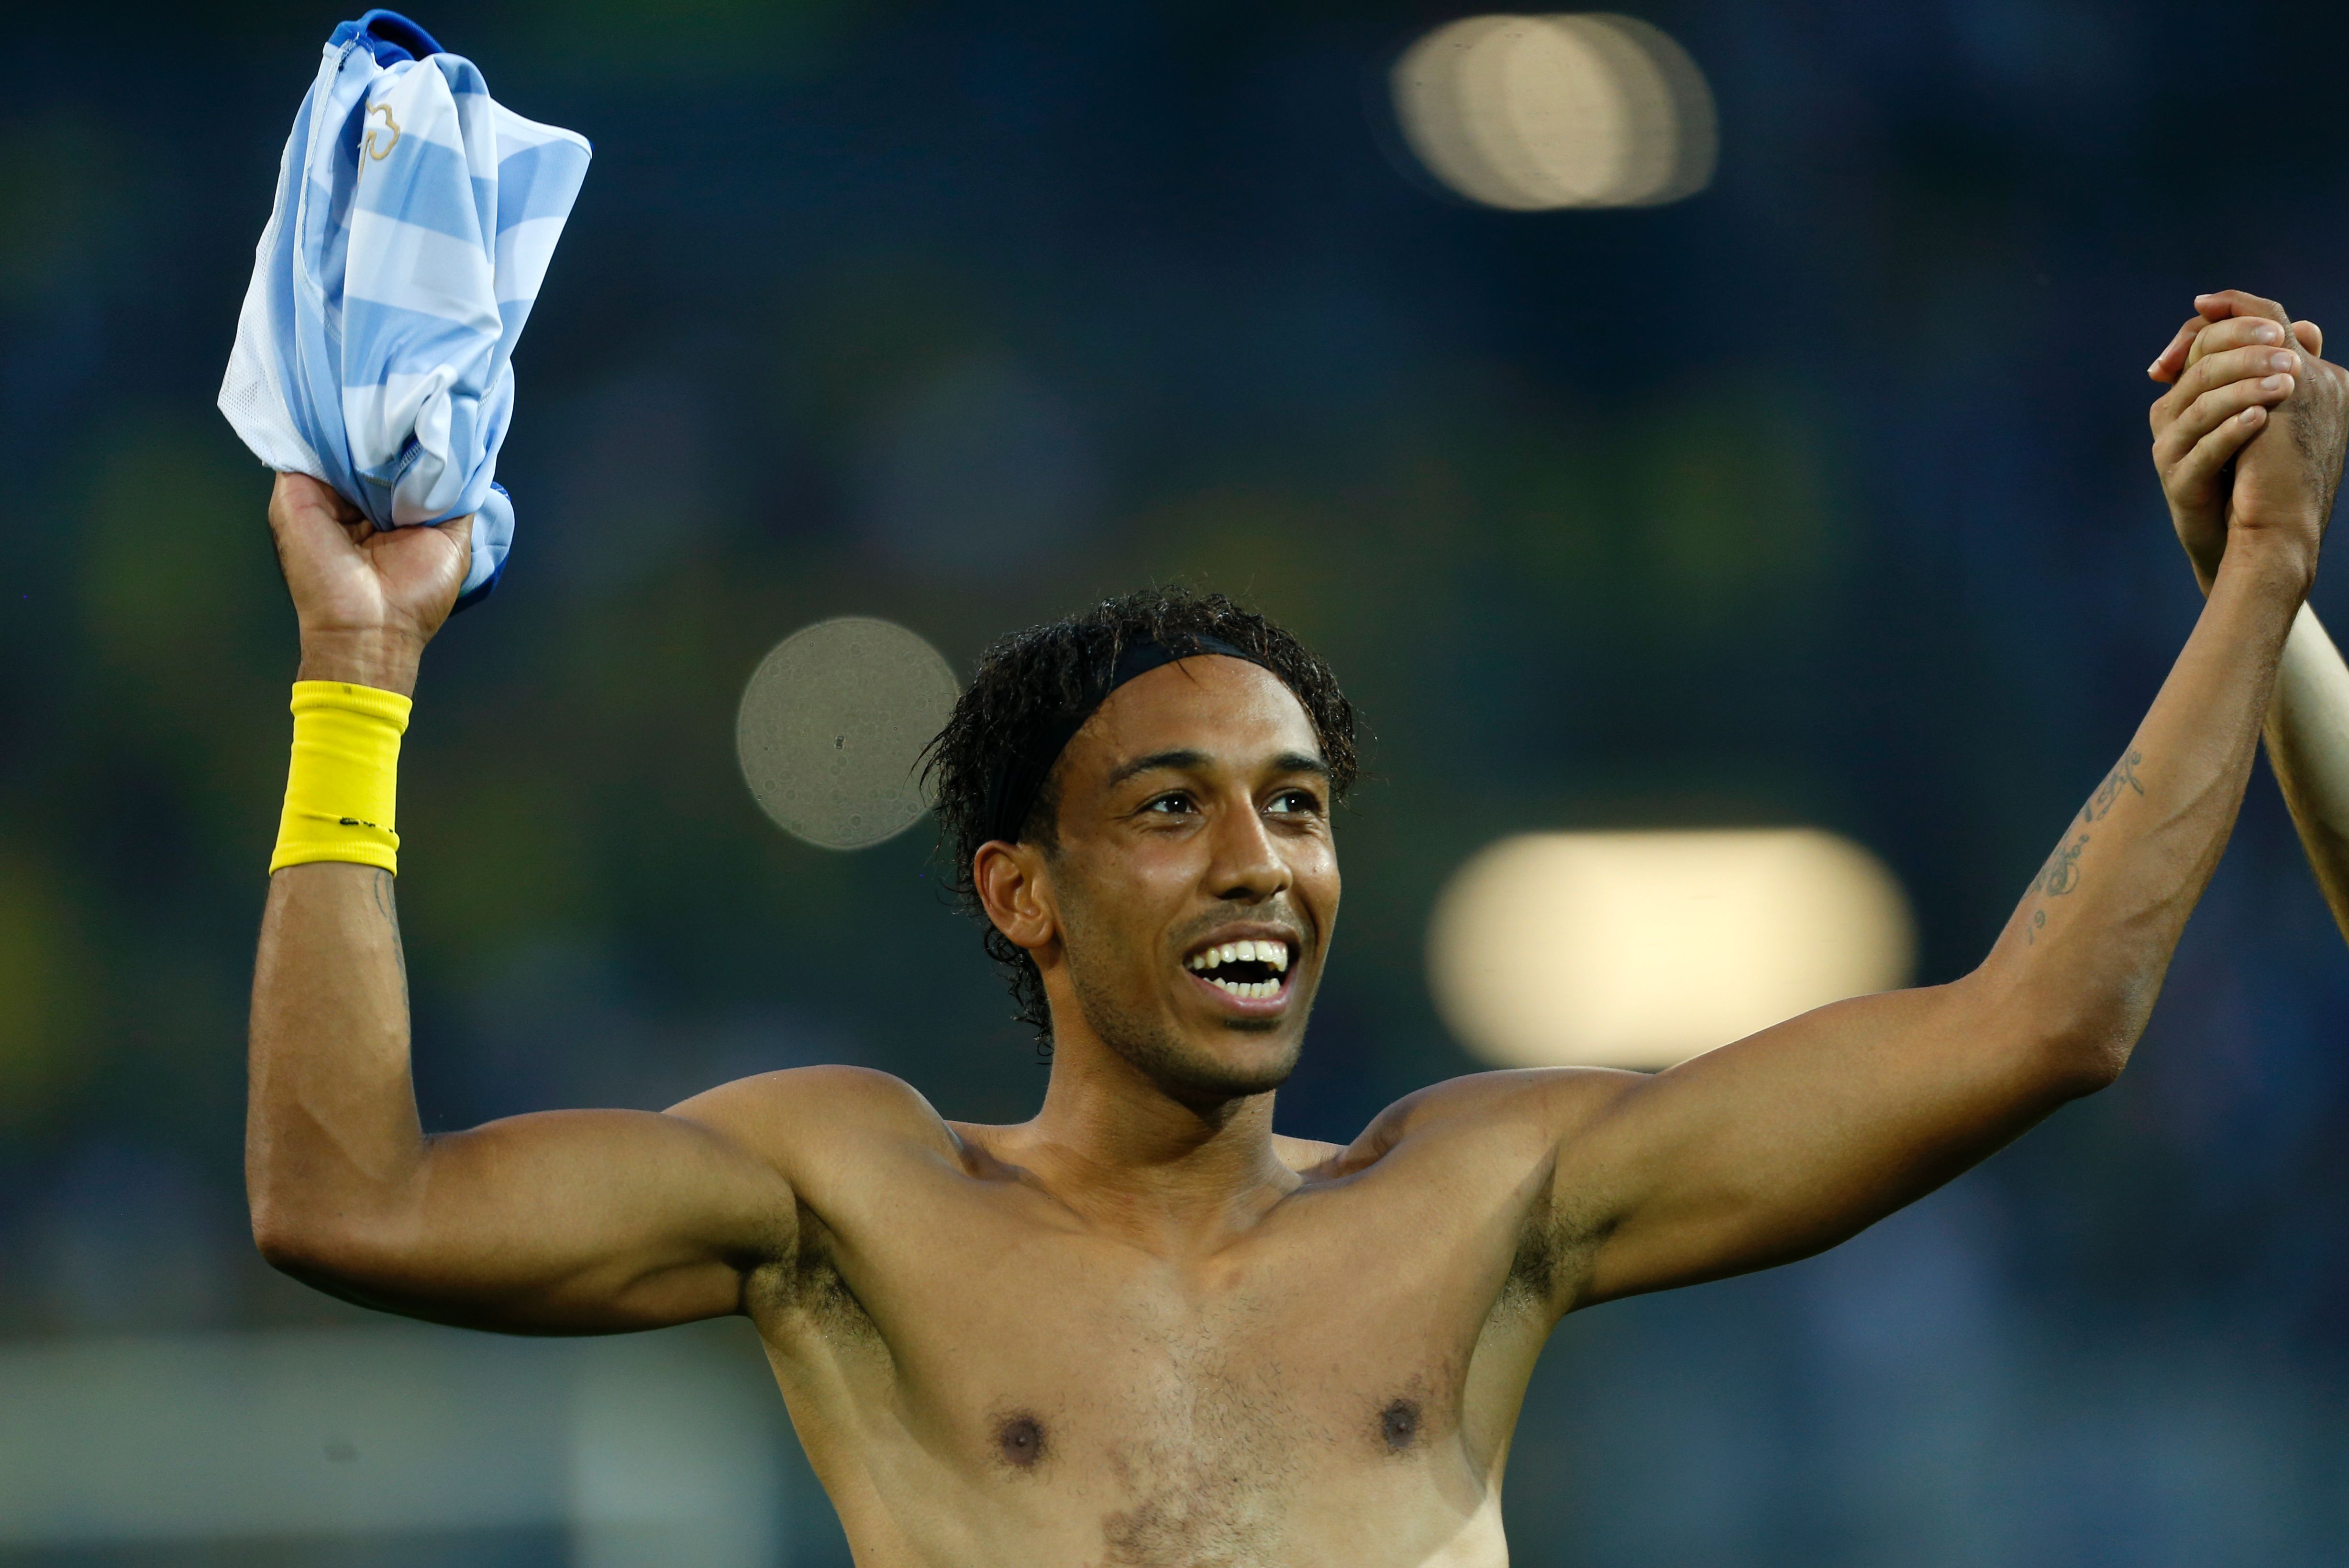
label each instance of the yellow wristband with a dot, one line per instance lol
(345, 778)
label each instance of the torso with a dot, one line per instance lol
(982, 1377)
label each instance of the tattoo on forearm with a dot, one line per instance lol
(2108, 793)
(2061, 875)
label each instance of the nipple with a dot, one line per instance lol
(1019, 1438)
(1398, 1424)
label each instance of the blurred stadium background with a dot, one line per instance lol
(1818, 498)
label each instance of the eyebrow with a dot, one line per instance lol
(1186, 758)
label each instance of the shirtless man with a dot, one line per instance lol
(1142, 1329)
(2308, 718)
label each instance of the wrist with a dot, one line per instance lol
(373, 657)
(2265, 563)
(341, 785)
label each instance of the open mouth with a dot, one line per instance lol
(1253, 970)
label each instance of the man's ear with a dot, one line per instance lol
(1015, 888)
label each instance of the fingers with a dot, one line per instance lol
(2205, 465)
(429, 596)
(304, 514)
(301, 493)
(2235, 302)
(2227, 304)
(2213, 410)
(2170, 363)
(2311, 335)
(2235, 332)
(2271, 370)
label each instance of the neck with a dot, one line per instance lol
(1178, 1169)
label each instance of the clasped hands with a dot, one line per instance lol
(2248, 439)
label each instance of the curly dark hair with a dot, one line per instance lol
(1032, 683)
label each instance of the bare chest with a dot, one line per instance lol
(1312, 1400)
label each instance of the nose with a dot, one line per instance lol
(1248, 867)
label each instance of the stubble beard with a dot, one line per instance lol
(1189, 1074)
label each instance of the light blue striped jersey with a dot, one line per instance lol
(414, 221)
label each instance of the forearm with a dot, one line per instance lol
(2308, 744)
(331, 1127)
(2084, 953)
(331, 1131)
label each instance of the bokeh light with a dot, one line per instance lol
(1537, 112)
(1645, 949)
(832, 725)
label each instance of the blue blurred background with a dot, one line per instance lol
(1821, 497)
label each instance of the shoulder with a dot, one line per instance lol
(797, 1113)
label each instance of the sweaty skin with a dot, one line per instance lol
(2308, 718)
(1142, 1328)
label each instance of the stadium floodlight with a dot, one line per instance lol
(1531, 113)
(1642, 949)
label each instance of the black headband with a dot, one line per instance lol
(1016, 779)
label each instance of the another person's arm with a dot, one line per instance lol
(1793, 1140)
(566, 1222)
(2308, 718)
(2308, 746)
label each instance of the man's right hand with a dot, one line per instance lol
(368, 600)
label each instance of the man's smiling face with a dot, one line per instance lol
(1195, 884)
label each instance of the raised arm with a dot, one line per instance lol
(1791, 1141)
(2308, 746)
(572, 1222)
(2308, 717)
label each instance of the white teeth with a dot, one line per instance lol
(1274, 954)
(1249, 990)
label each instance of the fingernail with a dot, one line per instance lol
(2268, 334)
(2276, 383)
(2153, 368)
(2252, 415)
(2279, 361)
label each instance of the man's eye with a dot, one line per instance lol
(1169, 805)
(1295, 801)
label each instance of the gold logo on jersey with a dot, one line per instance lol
(378, 144)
